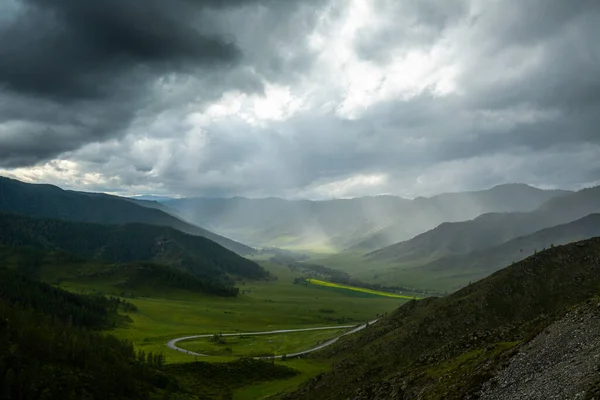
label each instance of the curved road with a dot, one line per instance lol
(172, 343)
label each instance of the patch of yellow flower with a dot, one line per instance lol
(358, 289)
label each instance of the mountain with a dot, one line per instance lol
(459, 207)
(488, 230)
(342, 223)
(129, 243)
(47, 201)
(135, 278)
(148, 197)
(454, 272)
(460, 346)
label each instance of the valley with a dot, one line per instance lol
(284, 316)
(270, 305)
(299, 200)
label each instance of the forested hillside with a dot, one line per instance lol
(47, 201)
(136, 278)
(50, 349)
(129, 243)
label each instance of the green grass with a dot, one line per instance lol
(259, 345)
(455, 376)
(393, 274)
(307, 369)
(204, 380)
(361, 268)
(358, 289)
(262, 305)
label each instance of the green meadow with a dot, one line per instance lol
(273, 304)
(259, 345)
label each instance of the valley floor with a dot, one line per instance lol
(261, 306)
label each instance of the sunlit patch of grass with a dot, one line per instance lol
(358, 289)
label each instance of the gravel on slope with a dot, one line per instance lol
(562, 362)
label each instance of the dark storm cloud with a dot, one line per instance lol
(74, 72)
(523, 103)
(72, 49)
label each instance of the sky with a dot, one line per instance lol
(310, 99)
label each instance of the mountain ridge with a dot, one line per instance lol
(454, 272)
(344, 223)
(490, 229)
(128, 243)
(49, 201)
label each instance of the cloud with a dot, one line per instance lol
(304, 98)
(72, 49)
(77, 72)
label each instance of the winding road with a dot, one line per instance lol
(172, 343)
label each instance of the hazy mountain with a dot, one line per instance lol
(337, 224)
(129, 243)
(148, 197)
(454, 272)
(452, 207)
(488, 230)
(47, 201)
(452, 347)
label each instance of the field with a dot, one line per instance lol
(307, 368)
(262, 305)
(391, 274)
(259, 345)
(165, 313)
(359, 289)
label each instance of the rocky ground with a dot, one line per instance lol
(560, 363)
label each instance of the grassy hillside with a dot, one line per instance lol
(47, 201)
(129, 243)
(337, 224)
(488, 230)
(443, 348)
(454, 272)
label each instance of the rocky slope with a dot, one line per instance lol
(560, 363)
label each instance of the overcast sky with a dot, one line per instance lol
(300, 98)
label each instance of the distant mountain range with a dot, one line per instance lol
(152, 198)
(488, 230)
(47, 201)
(360, 224)
(453, 272)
